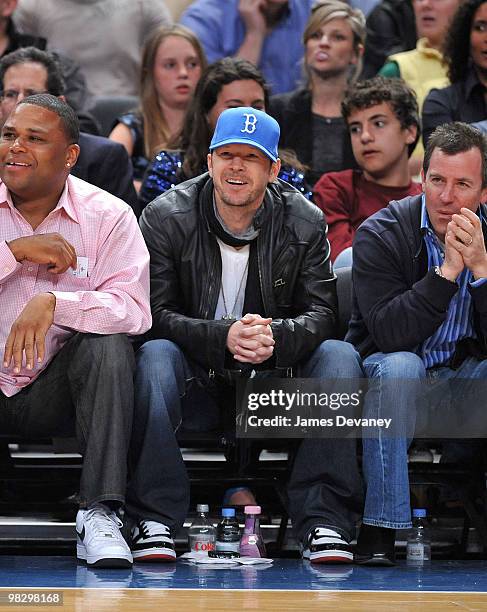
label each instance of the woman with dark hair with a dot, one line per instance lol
(310, 118)
(228, 83)
(465, 52)
(172, 62)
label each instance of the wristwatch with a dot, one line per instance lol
(439, 272)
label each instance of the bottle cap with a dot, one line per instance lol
(202, 508)
(419, 513)
(252, 509)
(228, 512)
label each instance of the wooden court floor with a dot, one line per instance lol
(182, 600)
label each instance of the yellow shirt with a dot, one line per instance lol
(422, 69)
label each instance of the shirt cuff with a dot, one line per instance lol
(8, 263)
(67, 309)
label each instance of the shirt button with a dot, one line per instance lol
(30, 268)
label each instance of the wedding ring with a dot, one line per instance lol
(469, 243)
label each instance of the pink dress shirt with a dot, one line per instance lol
(114, 296)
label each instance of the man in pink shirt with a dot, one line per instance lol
(74, 280)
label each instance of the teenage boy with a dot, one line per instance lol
(383, 118)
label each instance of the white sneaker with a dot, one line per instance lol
(324, 545)
(99, 541)
(151, 541)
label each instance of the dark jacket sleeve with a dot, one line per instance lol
(315, 300)
(119, 176)
(390, 29)
(398, 317)
(203, 340)
(106, 164)
(479, 297)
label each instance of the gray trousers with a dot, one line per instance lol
(86, 391)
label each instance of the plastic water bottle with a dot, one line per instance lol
(252, 543)
(228, 532)
(202, 534)
(419, 542)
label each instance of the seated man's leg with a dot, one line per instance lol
(325, 488)
(88, 389)
(467, 385)
(393, 394)
(158, 492)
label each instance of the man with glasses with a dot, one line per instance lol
(101, 162)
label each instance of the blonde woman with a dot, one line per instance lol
(310, 118)
(172, 63)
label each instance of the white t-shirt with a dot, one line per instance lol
(235, 267)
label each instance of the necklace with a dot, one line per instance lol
(229, 316)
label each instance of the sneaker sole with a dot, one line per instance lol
(165, 555)
(118, 561)
(331, 556)
(376, 562)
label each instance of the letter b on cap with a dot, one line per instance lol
(250, 123)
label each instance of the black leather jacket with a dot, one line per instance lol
(297, 283)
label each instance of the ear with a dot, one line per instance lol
(274, 171)
(411, 133)
(483, 196)
(423, 179)
(359, 51)
(209, 161)
(72, 154)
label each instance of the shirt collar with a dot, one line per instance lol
(64, 202)
(425, 220)
(423, 47)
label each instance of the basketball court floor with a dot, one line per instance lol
(287, 584)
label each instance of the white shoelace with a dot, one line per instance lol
(104, 522)
(329, 535)
(152, 529)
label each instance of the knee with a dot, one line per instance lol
(339, 358)
(158, 356)
(402, 364)
(114, 349)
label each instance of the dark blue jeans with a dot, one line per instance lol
(325, 487)
(398, 395)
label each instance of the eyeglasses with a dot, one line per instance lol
(12, 95)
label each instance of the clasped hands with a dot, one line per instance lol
(464, 246)
(250, 339)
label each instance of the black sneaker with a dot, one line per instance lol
(375, 546)
(325, 545)
(151, 541)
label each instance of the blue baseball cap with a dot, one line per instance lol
(247, 125)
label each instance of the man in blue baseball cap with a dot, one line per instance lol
(241, 287)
